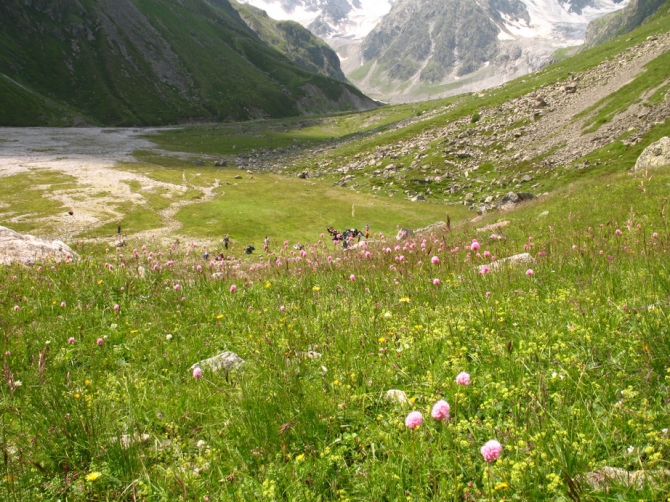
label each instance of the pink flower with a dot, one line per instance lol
(197, 372)
(463, 378)
(654, 235)
(368, 254)
(488, 293)
(436, 282)
(282, 308)
(530, 272)
(491, 450)
(484, 269)
(116, 307)
(440, 411)
(177, 287)
(70, 340)
(414, 420)
(474, 246)
(62, 304)
(352, 277)
(435, 260)
(487, 254)
(618, 231)
(198, 268)
(233, 288)
(14, 278)
(16, 308)
(99, 341)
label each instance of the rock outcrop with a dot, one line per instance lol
(18, 248)
(655, 155)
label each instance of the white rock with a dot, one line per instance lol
(397, 396)
(15, 247)
(227, 361)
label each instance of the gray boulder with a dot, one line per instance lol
(15, 247)
(655, 155)
(227, 361)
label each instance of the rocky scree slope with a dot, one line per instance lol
(149, 62)
(525, 144)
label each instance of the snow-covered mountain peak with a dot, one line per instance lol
(352, 19)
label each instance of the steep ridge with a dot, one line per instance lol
(149, 62)
(293, 40)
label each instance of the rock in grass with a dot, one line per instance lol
(227, 361)
(493, 226)
(517, 259)
(15, 247)
(603, 478)
(655, 155)
(397, 396)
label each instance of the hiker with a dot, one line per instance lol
(367, 232)
(118, 227)
(226, 240)
(266, 244)
(249, 250)
(71, 212)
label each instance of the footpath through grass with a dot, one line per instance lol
(569, 365)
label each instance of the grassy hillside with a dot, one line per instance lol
(139, 62)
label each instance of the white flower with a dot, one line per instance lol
(200, 444)
(168, 337)
(17, 383)
(664, 431)
(554, 375)
(631, 449)
(387, 314)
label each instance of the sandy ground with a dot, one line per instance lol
(88, 154)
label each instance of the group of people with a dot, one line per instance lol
(345, 238)
(348, 235)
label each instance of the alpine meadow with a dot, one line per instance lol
(260, 284)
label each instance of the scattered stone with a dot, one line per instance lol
(404, 233)
(493, 226)
(15, 247)
(227, 361)
(119, 243)
(238, 177)
(303, 175)
(397, 396)
(605, 477)
(543, 214)
(655, 155)
(418, 198)
(517, 259)
(570, 89)
(199, 163)
(221, 163)
(126, 440)
(526, 178)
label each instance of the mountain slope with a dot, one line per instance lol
(620, 22)
(293, 40)
(141, 62)
(425, 49)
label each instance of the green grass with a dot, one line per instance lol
(569, 367)
(26, 200)
(295, 210)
